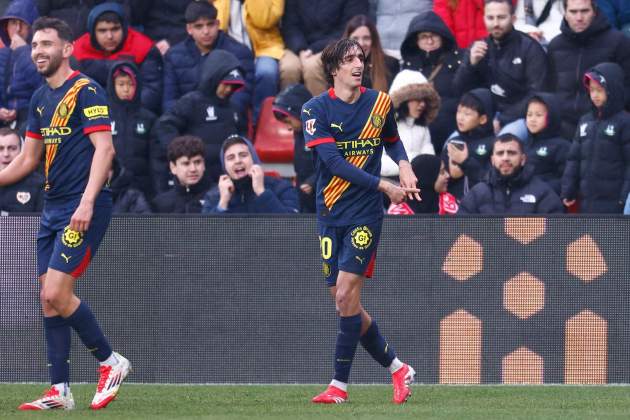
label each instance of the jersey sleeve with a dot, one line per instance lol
(94, 109)
(314, 125)
(390, 128)
(33, 119)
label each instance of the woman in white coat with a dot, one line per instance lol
(416, 103)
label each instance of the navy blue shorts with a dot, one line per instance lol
(349, 248)
(66, 250)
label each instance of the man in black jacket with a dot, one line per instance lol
(27, 195)
(510, 187)
(586, 39)
(508, 62)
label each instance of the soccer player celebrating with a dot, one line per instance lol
(347, 127)
(69, 119)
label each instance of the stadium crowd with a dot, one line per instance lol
(504, 106)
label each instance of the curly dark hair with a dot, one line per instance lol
(188, 146)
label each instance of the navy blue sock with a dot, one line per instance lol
(90, 333)
(58, 334)
(347, 340)
(375, 344)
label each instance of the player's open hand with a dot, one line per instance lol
(409, 181)
(80, 220)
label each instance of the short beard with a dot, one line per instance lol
(53, 66)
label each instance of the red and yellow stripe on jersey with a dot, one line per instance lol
(337, 186)
(60, 118)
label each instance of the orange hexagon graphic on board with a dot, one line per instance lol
(585, 260)
(464, 260)
(525, 229)
(524, 295)
(522, 366)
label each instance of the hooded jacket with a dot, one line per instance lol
(513, 68)
(201, 113)
(126, 198)
(520, 194)
(479, 142)
(290, 100)
(414, 134)
(447, 58)
(135, 47)
(18, 74)
(547, 151)
(571, 54)
(279, 195)
(132, 127)
(598, 167)
(182, 65)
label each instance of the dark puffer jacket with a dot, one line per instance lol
(135, 47)
(598, 167)
(447, 58)
(182, 200)
(513, 69)
(571, 54)
(520, 194)
(547, 151)
(182, 65)
(201, 113)
(131, 131)
(313, 24)
(479, 142)
(18, 75)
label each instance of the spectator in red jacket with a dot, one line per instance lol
(464, 18)
(110, 40)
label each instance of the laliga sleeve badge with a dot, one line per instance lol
(71, 238)
(23, 197)
(309, 126)
(361, 237)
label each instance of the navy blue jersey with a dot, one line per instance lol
(359, 131)
(63, 118)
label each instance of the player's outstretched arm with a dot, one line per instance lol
(24, 163)
(99, 172)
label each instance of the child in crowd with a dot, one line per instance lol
(467, 153)
(416, 104)
(598, 168)
(546, 150)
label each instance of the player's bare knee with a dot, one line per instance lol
(54, 298)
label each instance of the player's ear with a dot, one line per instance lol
(67, 49)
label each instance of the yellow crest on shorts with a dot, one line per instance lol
(361, 237)
(71, 238)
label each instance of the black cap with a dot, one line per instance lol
(199, 9)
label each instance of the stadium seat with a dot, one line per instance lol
(273, 141)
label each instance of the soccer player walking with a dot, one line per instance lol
(69, 121)
(347, 127)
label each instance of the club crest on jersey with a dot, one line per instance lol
(361, 237)
(23, 197)
(377, 120)
(309, 126)
(71, 238)
(63, 110)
